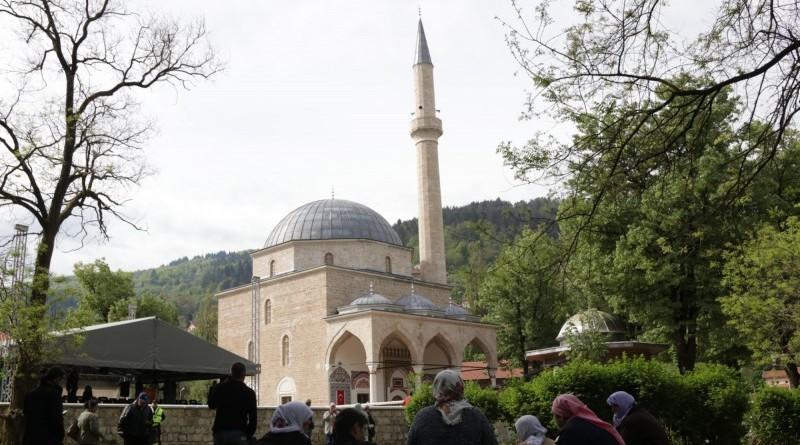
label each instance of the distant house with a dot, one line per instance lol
(776, 378)
(477, 372)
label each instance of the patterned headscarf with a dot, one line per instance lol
(290, 417)
(530, 430)
(567, 406)
(625, 403)
(448, 390)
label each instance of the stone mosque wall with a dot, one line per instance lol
(191, 425)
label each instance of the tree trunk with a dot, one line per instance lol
(791, 372)
(686, 348)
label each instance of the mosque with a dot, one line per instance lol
(336, 311)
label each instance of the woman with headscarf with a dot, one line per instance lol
(531, 432)
(634, 423)
(287, 426)
(350, 427)
(451, 420)
(580, 425)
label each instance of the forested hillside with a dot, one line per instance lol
(474, 235)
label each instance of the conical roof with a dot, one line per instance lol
(423, 55)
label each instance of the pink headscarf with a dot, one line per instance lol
(567, 405)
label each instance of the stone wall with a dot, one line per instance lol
(191, 425)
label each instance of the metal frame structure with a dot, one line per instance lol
(18, 256)
(255, 321)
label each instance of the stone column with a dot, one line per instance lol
(492, 376)
(418, 370)
(375, 392)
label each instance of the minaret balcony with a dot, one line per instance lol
(430, 126)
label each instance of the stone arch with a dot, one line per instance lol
(349, 345)
(268, 311)
(329, 259)
(272, 268)
(388, 264)
(403, 337)
(489, 353)
(286, 387)
(285, 350)
(438, 355)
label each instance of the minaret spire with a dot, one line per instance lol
(425, 131)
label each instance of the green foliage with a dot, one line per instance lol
(522, 295)
(703, 406)
(590, 343)
(485, 399)
(146, 306)
(101, 288)
(763, 303)
(205, 320)
(774, 417)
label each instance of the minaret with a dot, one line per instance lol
(425, 130)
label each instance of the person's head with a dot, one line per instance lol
(447, 387)
(332, 408)
(52, 376)
(621, 404)
(564, 407)
(350, 422)
(308, 402)
(91, 405)
(238, 371)
(155, 403)
(142, 400)
(291, 416)
(529, 426)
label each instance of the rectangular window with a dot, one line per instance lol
(362, 398)
(397, 383)
(286, 399)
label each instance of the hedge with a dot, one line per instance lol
(774, 417)
(702, 407)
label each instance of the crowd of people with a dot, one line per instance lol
(451, 420)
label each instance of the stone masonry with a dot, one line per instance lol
(191, 425)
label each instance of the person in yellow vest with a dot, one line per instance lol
(158, 417)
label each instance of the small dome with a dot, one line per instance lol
(600, 321)
(370, 299)
(459, 312)
(417, 304)
(333, 219)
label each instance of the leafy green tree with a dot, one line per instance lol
(590, 343)
(101, 288)
(146, 306)
(205, 320)
(763, 303)
(522, 295)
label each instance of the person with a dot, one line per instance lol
(309, 429)
(531, 432)
(135, 421)
(451, 420)
(634, 423)
(235, 405)
(89, 425)
(87, 394)
(288, 424)
(580, 425)
(42, 409)
(158, 418)
(370, 425)
(350, 426)
(72, 386)
(328, 423)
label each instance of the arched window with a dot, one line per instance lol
(388, 265)
(272, 268)
(329, 259)
(268, 312)
(285, 351)
(250, 350)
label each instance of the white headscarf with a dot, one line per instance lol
(448, 390)
(290, 417)
(625, 403)
(530, 430)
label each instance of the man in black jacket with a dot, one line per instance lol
(235, 402)
(44, 419)
(136, 421)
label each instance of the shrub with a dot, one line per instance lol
(705, 406)
(774, 417)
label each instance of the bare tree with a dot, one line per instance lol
(70, 132)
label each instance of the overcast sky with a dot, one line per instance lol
(317, 94)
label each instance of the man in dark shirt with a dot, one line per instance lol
(235, 420)
(44, 420)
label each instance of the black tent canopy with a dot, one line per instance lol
(146, 347)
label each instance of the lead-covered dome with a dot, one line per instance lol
(593, 320)
(333, 219)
